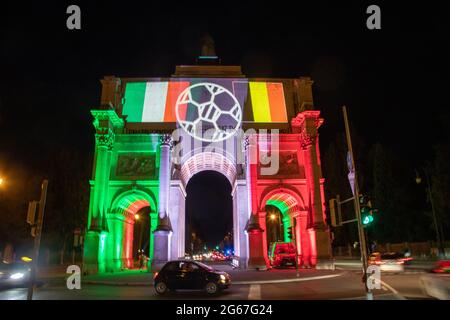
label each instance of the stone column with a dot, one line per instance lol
(298, 240)
(257, 259)
(307, 124)
(305, 241)
(163, 231)
(105, 123)
(104, 143)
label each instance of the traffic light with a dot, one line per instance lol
(290, 236)
(335, 212)
(366, 210)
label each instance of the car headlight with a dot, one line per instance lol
(222, 277)
(17, 276)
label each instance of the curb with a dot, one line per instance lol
(144, 284)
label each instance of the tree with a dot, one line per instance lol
(440, 187)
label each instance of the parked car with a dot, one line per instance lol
(190, 275)
(390, 261)
(15, 274)
(282, 254)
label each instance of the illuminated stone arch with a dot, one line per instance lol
(121, 221)
(292, 207)
(129, 202)
(208, 161)
(285, 199)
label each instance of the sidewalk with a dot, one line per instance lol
(144, 278)
(357, 264)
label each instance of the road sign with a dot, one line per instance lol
(32, 205)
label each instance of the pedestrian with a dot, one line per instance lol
(373, 246)
(141, 259)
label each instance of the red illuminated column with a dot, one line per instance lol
(262, 222)
(298, 239)
(127, 253)
(257, 256)
(307, 124)
(305, 241)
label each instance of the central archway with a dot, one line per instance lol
(219, 164)
(209, 212)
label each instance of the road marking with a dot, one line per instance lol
(393, 290)
(255, 292)
(288, 280)
(365, 297)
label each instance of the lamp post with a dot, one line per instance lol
(440, 243)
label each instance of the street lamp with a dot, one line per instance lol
(438, 234)
(1, 181)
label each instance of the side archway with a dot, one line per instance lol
(121, 223)
(294, 213)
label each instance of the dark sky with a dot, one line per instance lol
(393, 80)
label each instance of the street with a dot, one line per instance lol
(340, 284)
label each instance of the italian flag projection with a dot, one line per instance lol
(155, 101)
(152, 101)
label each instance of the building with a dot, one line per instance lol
(141, 162)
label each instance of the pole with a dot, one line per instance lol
(438, 234)
(362, 240)
(37, 240)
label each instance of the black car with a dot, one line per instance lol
(14, 274)
(190, 275)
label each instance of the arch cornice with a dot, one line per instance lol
(130, 200)
(286, 194)
(208, 161)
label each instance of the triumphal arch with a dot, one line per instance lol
(152, 135)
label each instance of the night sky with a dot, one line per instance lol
(393, 80)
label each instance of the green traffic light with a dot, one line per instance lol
(367, 219)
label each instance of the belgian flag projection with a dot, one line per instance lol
(156, 101)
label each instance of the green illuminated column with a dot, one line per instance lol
(163, 230)
(106, 123)
(153, 224)
(286, 225)
(94, 248)
(104, 144)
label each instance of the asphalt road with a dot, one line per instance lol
(347, 285)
